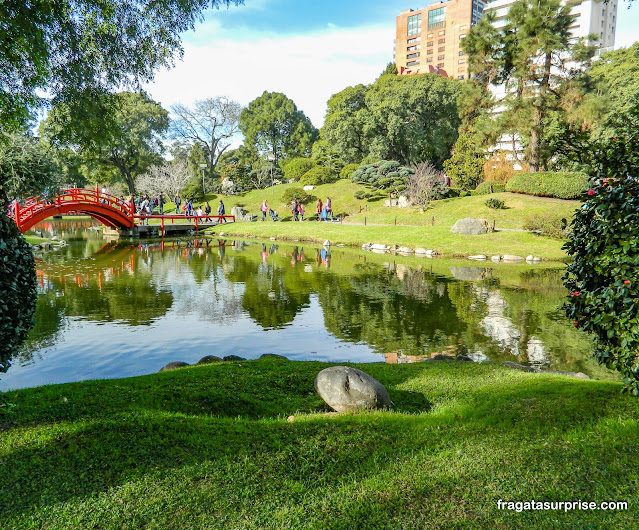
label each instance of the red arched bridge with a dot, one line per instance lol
(109, 210)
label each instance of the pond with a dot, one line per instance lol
(120, 309)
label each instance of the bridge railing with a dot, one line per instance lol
(196, 219)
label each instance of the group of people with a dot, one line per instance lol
(324, 210)
(204, 210)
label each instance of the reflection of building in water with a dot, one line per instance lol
(501, 329)
(398, 357)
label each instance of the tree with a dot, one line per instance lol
(383, 175)
(272, 125)
(466, 165)
(409, 119)
(211, 123)
(130, 143)
(426, 184)
(75, 51)
(168, 178)
(604, 246)
(536, 57)
(26, 168)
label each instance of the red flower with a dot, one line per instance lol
(575, 293)
(626, 282)
(576, 323)
(591, 192)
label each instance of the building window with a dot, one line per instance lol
(414, 39)
(429, 59)
(429, 43)
(440, 65)
(430, 36)
(440, 57)
(429, 52)
(414, 24)
(436, 18)
(462, 36)
(442, 32)
(441, 41)
(603, 13)
(460, 77)
(413, 48)
(461, 53)
(461, 61)
(412, 55)
(412, 63)
(441, 49)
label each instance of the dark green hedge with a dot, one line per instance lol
(561, 185)
(484, 188)
(17, 290)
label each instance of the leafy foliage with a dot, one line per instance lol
(489, 187)
(17, 290)
(193, 190)
(273, 125)
(495, 204)
(383, 175)
(499, 167)
(299, 194)
(296, 167)
(76, 51)
(604, 246)
(561, 185)
(317, 175)
(465, 166)
(348, 170)
(548, 224)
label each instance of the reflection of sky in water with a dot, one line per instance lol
(127, 310)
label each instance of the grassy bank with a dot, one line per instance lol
(211, 447)
(438, 238)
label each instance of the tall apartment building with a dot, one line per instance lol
(428, 39)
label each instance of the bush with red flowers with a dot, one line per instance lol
(603, 278)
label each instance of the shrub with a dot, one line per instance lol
(547, 224)
(299, 194)
(317, 175)
(17, 290)
(383, 175)
(604, 247)
(295, 168)
(489, 187)
(347, 171)
(193, 190)
(495, 204)
(466, 165)
(560, 185)
(427, 183)
(499, 167)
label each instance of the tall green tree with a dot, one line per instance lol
(76, 50)
(272, 125)
(131, 140)
(536, 57)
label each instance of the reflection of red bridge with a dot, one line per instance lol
(107, 209)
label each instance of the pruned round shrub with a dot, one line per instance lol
(489, 187)
(347, 171)
(295, 168)
(317, 175)
(17, 290)
(299, 194)
(604, 246)
(383, 175)
(561, 185)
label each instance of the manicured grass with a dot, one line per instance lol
(211, 447)
(34, 240)
(438, 238)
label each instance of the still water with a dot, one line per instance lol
(119, 309)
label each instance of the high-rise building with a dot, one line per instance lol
(428, 39)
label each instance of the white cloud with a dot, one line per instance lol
(307, 68)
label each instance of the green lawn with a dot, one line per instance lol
(211, 447)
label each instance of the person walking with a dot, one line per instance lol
(300, 211)
(264, 209)
(329, 208)
(294, 209)
(318, 209)
(221, 211)
(207, 209)
(161, 203)
(177, 200)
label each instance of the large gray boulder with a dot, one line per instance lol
(173, 365)
(471, 227)
(347, 389)
(241, 214)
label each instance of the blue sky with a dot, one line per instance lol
(307, 49)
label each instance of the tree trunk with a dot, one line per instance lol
(126, 176)
(537, 131)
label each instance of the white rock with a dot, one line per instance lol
(308, 268)
(529, 257)
(421, 251)
(478, 257)
(308, 188)
(495, 258)
(536, 259)
(405, 250)
(273, 238)
(379, 246)
(430, 252)
(511, 257)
